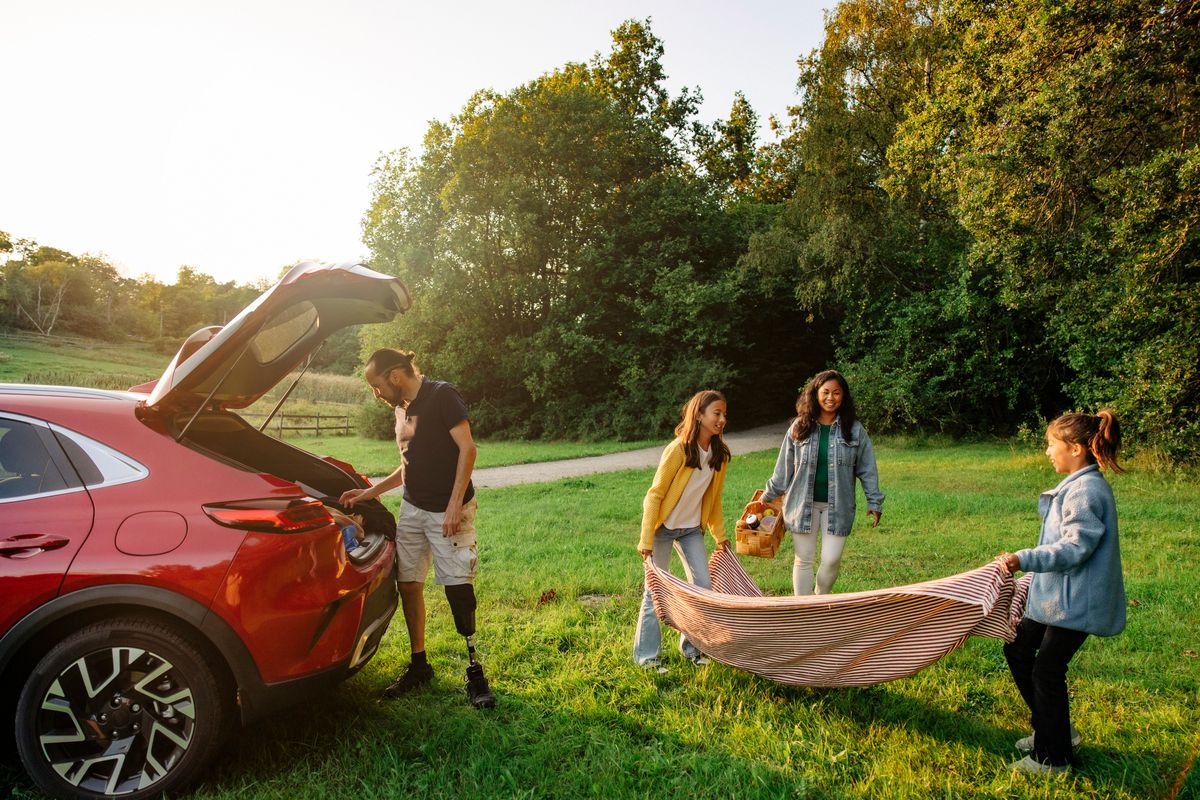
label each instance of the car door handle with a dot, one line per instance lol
(20, 546)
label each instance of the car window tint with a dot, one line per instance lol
(98, 464)
(283, 331)
(26, 467)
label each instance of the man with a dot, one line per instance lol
(437, 520)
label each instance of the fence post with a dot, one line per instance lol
(318, 424)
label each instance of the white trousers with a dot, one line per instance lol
(805, 545)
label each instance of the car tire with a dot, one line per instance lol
(122, 708)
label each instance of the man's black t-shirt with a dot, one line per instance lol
(429, 451)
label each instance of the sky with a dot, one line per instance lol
(238, 136)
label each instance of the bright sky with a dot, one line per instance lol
(237, 136)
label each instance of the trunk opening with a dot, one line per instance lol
(230, 439)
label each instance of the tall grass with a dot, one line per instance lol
(577, 719)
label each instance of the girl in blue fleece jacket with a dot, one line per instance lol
(1077, 587)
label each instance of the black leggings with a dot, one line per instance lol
(1038, 660)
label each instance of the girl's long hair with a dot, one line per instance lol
(688, 430)
(808, 410)
(1099, 433)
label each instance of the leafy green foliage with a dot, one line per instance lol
(996, 203)
(572, 273)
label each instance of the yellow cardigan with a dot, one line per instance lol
(669, 482)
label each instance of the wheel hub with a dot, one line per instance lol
(115, 721)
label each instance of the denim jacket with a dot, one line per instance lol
(1077, 580)
(795, 477)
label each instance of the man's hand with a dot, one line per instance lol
(453, 518)
(723, 544)
(875, 515)
(352, 496)
(645, 553)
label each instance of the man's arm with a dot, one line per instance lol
(461, 433)
(352, 496)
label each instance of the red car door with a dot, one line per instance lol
(45, 515)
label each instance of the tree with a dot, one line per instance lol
(571, 271)
(1066, 138)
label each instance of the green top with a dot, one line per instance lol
(821, 489)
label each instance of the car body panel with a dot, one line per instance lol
(33, 576)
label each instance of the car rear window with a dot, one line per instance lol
(284, 331)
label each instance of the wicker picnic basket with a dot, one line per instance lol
(760, 541)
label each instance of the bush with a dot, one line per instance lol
(375, 420)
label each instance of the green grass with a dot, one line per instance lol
(75, 364)
(577, 719)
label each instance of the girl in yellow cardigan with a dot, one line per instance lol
(684, 498)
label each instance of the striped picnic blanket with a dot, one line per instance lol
(852, 639)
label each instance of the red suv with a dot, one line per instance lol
(166, 569)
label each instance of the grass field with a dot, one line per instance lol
(75, 364)
(577, 719)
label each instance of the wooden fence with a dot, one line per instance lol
(315, 424)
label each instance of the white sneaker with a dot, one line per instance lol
(1026, 745)
(1032, 766)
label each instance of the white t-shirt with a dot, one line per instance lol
(686, 513)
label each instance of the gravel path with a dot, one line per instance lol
(766, 437)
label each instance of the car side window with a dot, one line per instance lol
(97, 464)
(26, 466)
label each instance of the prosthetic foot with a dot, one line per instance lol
(477, 687)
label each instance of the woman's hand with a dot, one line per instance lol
(875, 515)
(723, 544)
(645, 553)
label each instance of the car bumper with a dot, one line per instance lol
(378, 609)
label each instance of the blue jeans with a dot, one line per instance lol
(690, 544)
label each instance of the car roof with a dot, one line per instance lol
(66, 391)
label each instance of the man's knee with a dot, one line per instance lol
(462, 605)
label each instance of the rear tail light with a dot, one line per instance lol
(272, 515)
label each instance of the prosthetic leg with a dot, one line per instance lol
(462, 605)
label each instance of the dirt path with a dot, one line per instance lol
(766, 437)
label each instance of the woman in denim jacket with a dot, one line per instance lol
(1077, 587)
(825, 449)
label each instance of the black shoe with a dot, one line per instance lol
(478, 689)
(415, 677)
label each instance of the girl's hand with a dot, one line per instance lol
(645, 553)
(1010, 562)
(723, 545)
(875, 515)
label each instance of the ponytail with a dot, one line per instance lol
(1100, 435)
(1107, 441)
